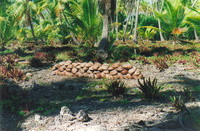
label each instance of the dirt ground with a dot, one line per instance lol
(106, 114)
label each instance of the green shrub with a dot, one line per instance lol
(116, 88)
(35, 62)
(122, 52)
(149, 89)
(177, 103)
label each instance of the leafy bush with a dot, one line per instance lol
(45, 57)
(9, 59)
(161, 64)
(116, 88)
(149, 88)
(35, 62)
(8, 69)
(42, 58)
(122, 52)
(11, 72)
(143, 59)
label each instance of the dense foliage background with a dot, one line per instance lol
(89, 21)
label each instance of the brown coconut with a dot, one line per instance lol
(120, 76)
(68, 74)
(81, 70)
(124, 72)
(61, 69)
(95, 72)
(69, 61)
(116, 65)
(95, 67)
(110, 68)
(91, 68)
(137, 72)
(78, 66)
(89, 72)
(55, 72)
(128, 76)
(74, 70)
(108, 76)
(88, 64)
(127, 66)
(103, 67)
(120, 68)
(62, 63)
(91, 75)
(70, 66)
(74, 65)
(85, 68)
(82, 65)
(68, 69)
(79, 74)
(103, 74)
(140, 76)
(54, 67)
(132, 70)
(113, 72)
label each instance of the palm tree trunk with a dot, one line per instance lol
(196, 35)
(136, 22)
(104, 38)
(116, 28)
(32, 28)
(71, 33)
(159, 26)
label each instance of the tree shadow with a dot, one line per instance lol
(47, 98)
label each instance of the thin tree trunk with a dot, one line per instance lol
(136, 22)
(116, 28)
(104, 38)
(196, 35)
(32, 28)
(125, 28)
(159, 26)
(71, 33)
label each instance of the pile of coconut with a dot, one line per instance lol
(97, 70)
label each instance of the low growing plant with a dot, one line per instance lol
(149, 89)
(188, 94)
(116, 88)
(41, 58)
(178, 103)
(35, 62)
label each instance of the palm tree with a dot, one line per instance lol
(23, 11)
(6, 28)
(108, 8)
(136, 21)
(173, 17)
(159, 23)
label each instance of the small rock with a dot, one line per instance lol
(82, 116)
(142, 123)
(65, 111)
(29, 74)
(37, 117)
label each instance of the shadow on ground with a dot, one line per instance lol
(46, 99)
